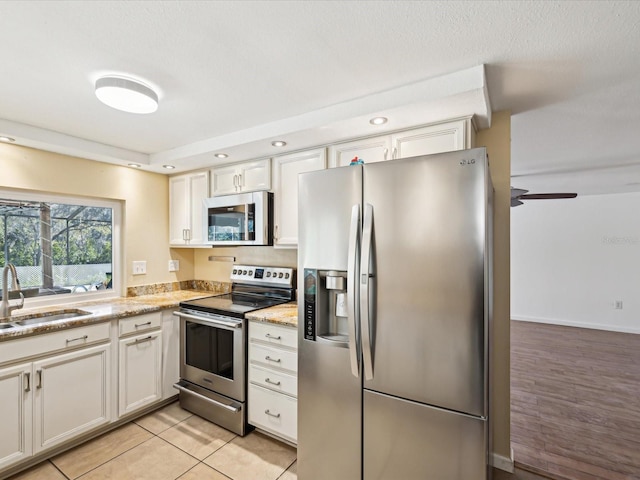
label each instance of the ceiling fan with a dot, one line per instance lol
(518, 194)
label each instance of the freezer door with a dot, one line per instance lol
(329, 395)
(409, 441)
(426, 279)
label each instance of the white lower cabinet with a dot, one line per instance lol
(52, 400)
(273, 382)
(71, 395)
(15, 414)
(140, 371)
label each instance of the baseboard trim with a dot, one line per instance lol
(570, 323)
(501, 462)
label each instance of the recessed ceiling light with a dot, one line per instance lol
(126, 95)
(278, 143)
(168, 167)
(7, 139)
(134, 165)
(221, 155)
(378, 120)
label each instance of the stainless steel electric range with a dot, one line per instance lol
(213, 343)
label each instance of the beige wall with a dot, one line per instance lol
(144, 195)
(219, 269)
(497, 139)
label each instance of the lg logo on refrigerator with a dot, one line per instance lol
(468, 162)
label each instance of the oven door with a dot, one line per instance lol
(212, 352)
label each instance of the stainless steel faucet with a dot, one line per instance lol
(5, 307)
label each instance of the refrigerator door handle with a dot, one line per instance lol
(365, 275)
(352, 285)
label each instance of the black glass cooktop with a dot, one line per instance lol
(232, 304)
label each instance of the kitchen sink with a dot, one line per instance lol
(5, 325)
(51, 316)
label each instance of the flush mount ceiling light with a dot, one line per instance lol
(6, 139)
(278, 143)
(220, 155)
(135, 165)
(378, 120)
(168, 167)
(126, 95)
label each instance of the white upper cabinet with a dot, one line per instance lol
(186, 193)
(370, 150)
(241, 177)
(285, 179)
(437, 138)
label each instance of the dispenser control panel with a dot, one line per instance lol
(310, 297)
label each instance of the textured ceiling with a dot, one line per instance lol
(236, 72)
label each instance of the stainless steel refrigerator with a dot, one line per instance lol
(394, 302)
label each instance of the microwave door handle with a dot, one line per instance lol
(365, 277)
(352, 285)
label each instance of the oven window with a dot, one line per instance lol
(209, 348)
(232, 223)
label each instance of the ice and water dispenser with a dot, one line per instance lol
(325, 306)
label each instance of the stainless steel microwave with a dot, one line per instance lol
(241, 219)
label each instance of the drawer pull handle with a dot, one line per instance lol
(268, 335)
(137, 325)
(83, 338)
(268, 358)
(145, 339)
(274, 415)
(267, 380)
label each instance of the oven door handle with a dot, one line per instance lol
(177, 386)
(209, 321)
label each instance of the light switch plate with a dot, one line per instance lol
(174, 265)
(140, 267)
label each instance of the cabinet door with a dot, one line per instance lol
(186, 193)
(140, 371)
(255, 176)
(438, 138)
(71, 395)
(198, 191)
(170, 353)
(285, 178)
(179, 215)
(370, 150)
(15, 414)
(224, 180)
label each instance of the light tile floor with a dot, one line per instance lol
(171, 444)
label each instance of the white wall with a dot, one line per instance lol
(572, 259)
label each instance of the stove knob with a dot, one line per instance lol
(244, 272)
(268, 274)
(286, 275)
(280, 275)
(251, 273)
(235, 271)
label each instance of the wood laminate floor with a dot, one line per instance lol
(575, 401)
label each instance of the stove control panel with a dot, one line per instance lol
(282, 276)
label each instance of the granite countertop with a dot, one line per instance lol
(100, 311)
(285, 314)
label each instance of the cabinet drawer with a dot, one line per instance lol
(273, 357)
(139, 323)
(273, 380)
(273, 334)
(273, 412)
(13, 350)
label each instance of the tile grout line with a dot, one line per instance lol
(61, 472)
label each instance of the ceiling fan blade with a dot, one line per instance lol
(515, 202)
(516, 192)
(546, 196)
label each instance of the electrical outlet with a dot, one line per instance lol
(617, 305)
(140, 267)
(174, 265)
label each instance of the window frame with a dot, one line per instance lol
(117, 207)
